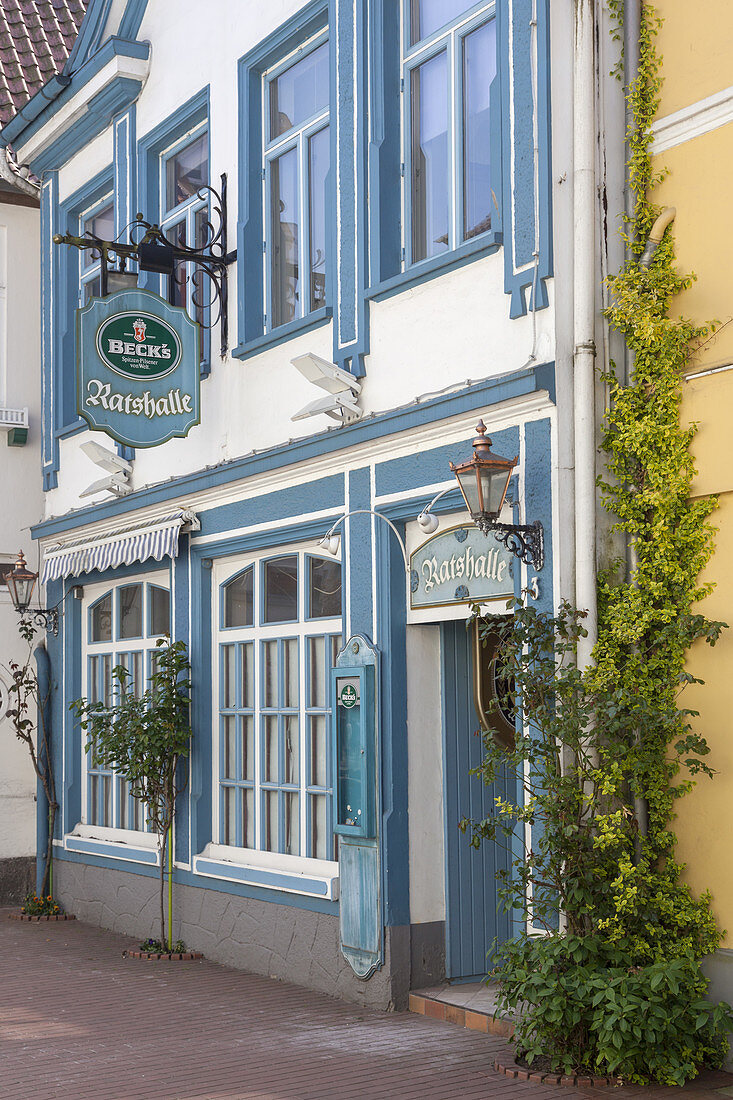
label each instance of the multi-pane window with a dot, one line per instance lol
(185, 217)
(122, 628)
(280, 631)
(449, 62)
(296, 162)
(99, 222)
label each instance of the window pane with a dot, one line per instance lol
(324, 588)
(187, 171)
(131, 611)
(229, 682)
(271, 822)
(248, 749)
(281, 590)
(319, 832)
(292, 750)
(93, 288)
(269, 653)
(133, 662)
(229, 811)
(430, 158)
(248, 818)
(271, 769)
(229, 747)
(479, 69)
(160, 610)
(427, 16)
(290, 672)
(102, 225)
(318, 154)
(318, 758)
(101, 626)
(292, 824)
(300, 92)
(285, 238)
(316, 673)
(248, 676)
(239, 600)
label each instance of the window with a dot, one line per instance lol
(448, 65)
(279, 636)
(122, 627)
(99, 221)
(296, 161)
(184, 219)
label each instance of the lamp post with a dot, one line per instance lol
(483, 480)
(21, 583)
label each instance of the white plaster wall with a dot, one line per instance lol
(20, 491)
(425, 772)
(436, 335)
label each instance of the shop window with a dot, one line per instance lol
(448, 64)
(275, 785)
(296, 160)
(184, 171)
(116, 637)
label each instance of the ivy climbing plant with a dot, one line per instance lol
(614, 985)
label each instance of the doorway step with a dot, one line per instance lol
(468, 1004)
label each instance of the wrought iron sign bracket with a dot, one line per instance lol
(526, 541)
(149, 248)
(45, 618)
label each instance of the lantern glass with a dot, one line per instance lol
(21, 582)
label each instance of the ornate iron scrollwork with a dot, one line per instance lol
(525, 541)
(45, 619)
(209, 257)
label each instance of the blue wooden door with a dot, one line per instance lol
(472, 918)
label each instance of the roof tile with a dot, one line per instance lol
(36, 38)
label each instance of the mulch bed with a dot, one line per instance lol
(40, 917)
(540, 1073)
(165, 956)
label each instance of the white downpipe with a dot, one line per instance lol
(584, 354)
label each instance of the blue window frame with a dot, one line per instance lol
(272, 696)
(123, 625)
(174, 163)
(284, 241)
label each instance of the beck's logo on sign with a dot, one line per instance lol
(138, 368)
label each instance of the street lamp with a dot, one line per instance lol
(483, 481)
(21, 581)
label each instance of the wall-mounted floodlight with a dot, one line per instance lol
(119, 469)
(342, 405)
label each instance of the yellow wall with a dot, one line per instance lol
(695, 47)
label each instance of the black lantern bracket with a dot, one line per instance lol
(149, 247)
(47, 618)
(525, 540)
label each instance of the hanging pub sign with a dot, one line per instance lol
(138, 368)
(460, 565)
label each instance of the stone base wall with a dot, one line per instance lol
(279, 941)
(17, 878)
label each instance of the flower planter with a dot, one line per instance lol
(164, 956)
(41, 916)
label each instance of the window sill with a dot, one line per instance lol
(292, 874)
(438, 265)
(124, 844)
(282, 333)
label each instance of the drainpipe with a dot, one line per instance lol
(584, 354)
(43, 673)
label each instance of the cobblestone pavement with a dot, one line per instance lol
(80, 1022)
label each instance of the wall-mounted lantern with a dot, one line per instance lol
(21, 583)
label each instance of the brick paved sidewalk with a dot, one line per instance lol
(79, 1022)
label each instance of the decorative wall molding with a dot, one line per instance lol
(693, 121)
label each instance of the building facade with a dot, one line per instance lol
(402, 229)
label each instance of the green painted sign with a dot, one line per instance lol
(138, 377)
(349, 696)
(138, 345)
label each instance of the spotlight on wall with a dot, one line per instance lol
(342, 405)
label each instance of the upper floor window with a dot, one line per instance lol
(448, 65)
(296, 162)
(123, 625)
(99, 221)
(279, 633)
(184, 169)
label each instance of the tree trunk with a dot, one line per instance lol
(163, 847)
(46, 881)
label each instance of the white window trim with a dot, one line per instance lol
(218, 860)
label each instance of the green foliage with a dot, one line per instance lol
(158, 947)
(143, 737)
(577, 999)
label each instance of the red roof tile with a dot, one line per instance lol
(36, 38)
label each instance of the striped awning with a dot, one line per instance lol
(156, 539)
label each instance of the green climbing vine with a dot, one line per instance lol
(614, 985)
